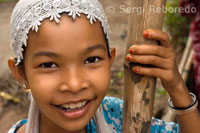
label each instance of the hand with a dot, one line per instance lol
(162, 57)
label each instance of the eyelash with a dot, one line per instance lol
(48, 63)
(54, 65)
(95, 57)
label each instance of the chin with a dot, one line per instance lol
(75, 127)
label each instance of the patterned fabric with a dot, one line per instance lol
(113, 112)
(17, 126)
(195, 34)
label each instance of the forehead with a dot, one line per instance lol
(68, 33)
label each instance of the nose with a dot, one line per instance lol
(74, 80)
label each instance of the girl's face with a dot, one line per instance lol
(68, 71)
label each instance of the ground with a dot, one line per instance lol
(11, 112)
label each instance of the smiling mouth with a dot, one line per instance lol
(73, 106)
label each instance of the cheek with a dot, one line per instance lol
(101, 79)
(42, 86)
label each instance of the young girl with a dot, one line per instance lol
(66, 64)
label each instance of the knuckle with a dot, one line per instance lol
(151, 72)
(166, 36)
(134, 58)
(155, 31)
(170, 65)
(170, 76)
(139, 69)
(171, 52)
(156, 49)
(164, 78)
(173, 56)
(152, 59)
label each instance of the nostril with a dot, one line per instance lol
(73, 86)
(74, 80)
(64, 87)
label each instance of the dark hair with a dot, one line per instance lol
(108, 49)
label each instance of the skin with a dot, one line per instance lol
(164, 58)
(78, 68)
(73, 78)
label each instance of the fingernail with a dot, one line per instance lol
(146, 33)
(131, 50)
(135, 69)
(128, 58)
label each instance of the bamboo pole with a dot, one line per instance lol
(188, 66)
(187, 50)
(139, 90)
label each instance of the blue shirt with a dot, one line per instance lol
(113, 112)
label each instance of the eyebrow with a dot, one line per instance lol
(95, 47)
(45, 53)
(51, 54)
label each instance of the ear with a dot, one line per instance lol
(113, 52)
(17, 72)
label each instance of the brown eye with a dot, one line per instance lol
(48, 65)
(92, 60)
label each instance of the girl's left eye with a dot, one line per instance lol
(48, 65)
(92, 60)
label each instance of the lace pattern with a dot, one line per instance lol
(28, 14)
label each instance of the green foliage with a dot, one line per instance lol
(120, 74)
(160, 92)
(177, 26)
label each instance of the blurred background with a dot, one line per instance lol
(13, 99)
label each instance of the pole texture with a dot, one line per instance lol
(139, 90)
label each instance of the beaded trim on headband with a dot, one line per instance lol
(28, 14)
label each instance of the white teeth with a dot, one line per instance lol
(74, 105)
(66, 105)
(84, 102)
(79, 104)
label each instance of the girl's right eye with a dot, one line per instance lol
(48, 65)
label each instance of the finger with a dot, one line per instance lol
(149, 60)
(152, 72)
(158, 35)
(146, 49)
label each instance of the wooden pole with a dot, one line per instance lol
(186, 53)
(139, 90)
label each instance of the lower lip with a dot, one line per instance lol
(76, 113)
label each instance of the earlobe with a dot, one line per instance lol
(16, 71)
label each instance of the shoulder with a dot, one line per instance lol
(113, 112)
(112, 105)
(19, 127)
(162, 126)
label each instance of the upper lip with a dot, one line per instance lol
(73, 101)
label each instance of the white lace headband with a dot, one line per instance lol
(28, 14)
